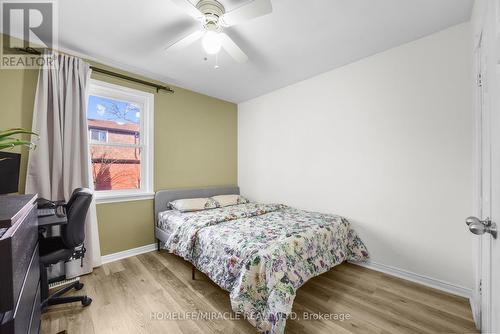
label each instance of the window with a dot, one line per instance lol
(98, 136)
(120, 125)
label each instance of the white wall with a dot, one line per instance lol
(386, 141)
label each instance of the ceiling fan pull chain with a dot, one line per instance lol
(216, 61)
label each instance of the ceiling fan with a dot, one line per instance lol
(213, 17)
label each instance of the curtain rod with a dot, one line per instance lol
(125, 77)
(110, 73)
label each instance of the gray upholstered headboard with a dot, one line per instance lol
(163, 197)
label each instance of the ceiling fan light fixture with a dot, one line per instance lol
(212, 42)
(213, 17)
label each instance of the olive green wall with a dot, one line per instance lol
(195, 145)
(17, 93)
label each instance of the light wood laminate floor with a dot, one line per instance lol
(128, 294)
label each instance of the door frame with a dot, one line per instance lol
(475, 299)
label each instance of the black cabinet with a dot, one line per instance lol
(19, 265)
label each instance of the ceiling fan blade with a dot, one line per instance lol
(189, 8)
(254, 9)
(234, 50)
(185, 41)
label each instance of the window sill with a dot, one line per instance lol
(116, 198)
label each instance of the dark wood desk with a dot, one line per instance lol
(48, 221)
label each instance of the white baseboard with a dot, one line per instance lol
(389, 270)
(127, 253)
(417, 278)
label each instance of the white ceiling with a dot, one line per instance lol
(298, 40)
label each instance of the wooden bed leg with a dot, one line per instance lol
(158, 245)
(193, 271)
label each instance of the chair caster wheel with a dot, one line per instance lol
(79, 286)
(87, 301)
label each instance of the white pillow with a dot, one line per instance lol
(227, 200)
(193, 204)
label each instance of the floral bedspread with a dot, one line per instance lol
(262, 253)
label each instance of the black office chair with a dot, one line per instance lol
(62, 248)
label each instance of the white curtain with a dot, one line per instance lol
(60, 163)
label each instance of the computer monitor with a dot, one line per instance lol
(9, 172)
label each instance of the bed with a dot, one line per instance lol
(260, 253)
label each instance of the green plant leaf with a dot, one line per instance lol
(15, 143)
(16, 131)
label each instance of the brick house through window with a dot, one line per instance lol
(115, 166)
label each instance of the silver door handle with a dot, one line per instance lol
(480, 227)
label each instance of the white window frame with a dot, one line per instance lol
(146, 101)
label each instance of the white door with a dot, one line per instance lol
(486, 298)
